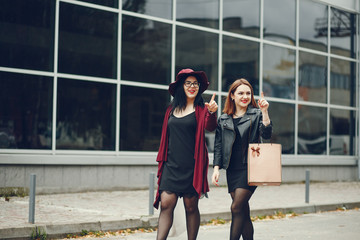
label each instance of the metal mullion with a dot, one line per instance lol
(118, 83)
(342, 57)
(220, 56)
(278, 44)
(197, 27)
(26, 151)
(86, 78)
(313, 51)
(261, 46)
(147, 17)
(296, 127)
(27, 71)
(328, 84)
(56, 47)
(173, 42)
(90, 5)
(240, 36)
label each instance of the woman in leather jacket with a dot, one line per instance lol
(242, 123)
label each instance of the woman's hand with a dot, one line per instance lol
(264, 105)
(215, 176)
(212, 105)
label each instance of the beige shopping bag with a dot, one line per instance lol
(264, 164)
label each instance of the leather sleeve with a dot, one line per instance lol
(265, 131)
(218, 146)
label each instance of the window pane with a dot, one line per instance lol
(85, 115)
(312, 130)
(343, 33)
(283, 127)
(313, 25)
(240, 60)
(25, 111)
(312, 77)
(198, 50)
(279, 21)
(156, 8)
(342, 132)
(242, 17)
(343, 82)
(198, 12)
(27, 34)
(141, 117)
(108, 3)
(279, 72)
(87, 41)
(146, 51)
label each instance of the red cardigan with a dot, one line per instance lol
(204, 120)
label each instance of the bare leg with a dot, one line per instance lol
(192, 216)
(240, 213)
(168, 203)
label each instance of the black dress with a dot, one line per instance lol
(236, 173)
(178, 172)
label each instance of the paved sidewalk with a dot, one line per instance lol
(60, 214)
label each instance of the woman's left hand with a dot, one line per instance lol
(212, 105)
(263, 104)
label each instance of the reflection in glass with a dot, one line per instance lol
(343, 33)
(279, 21)
(343, 82)
(342, 132)
(25, 111)
(312, 130)
(240, 60)
(198, 12)
(108, 3)
(279, 72)
(87, 41)
(146, 51)
(242, 17)
(197, 50)
(27, 34)
(156, 8)
(313, 25)
(312, 77)
(85, 115)
(141, 117)
(283, 127)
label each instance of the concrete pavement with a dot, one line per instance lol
(333, 225)
(61, 214)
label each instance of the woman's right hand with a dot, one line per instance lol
(215, 176)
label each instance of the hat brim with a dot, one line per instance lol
(200, 76)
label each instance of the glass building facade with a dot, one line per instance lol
(91, 76)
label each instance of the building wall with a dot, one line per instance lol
(83, 86)
(75, 178)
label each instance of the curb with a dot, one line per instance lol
(61, 230)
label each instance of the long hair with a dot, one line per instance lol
(230, 107)
(179, 101)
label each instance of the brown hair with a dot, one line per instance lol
(229, 104)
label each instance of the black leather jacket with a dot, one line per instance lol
(225, 135)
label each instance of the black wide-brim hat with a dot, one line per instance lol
(184, 73)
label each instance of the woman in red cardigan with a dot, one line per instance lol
(183, 156)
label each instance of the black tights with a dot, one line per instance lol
(168, 203)
(241, 224)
